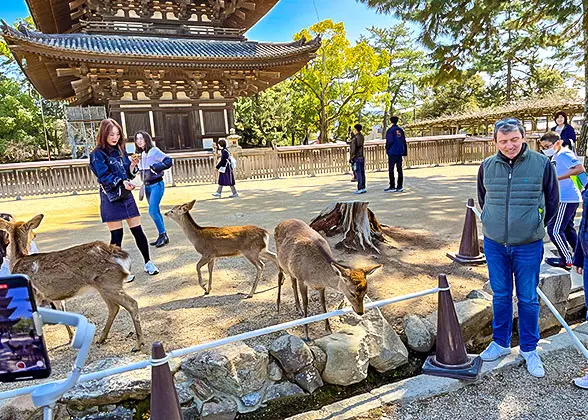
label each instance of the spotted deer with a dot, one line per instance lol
(306, 257)
(227, 241)
(60, 275)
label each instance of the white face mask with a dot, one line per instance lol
(549, 152)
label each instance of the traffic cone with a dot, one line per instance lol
(165, 404)
(469, 247)
(451, 359)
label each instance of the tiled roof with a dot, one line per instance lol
(156, 47)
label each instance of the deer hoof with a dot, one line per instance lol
(100, 341)
(249, 296)
(137, 348)
(206, 292)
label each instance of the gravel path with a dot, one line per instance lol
(426, 223)
(510, 394)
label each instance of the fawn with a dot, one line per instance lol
(306, 257)
(60, 275)
(228, 241)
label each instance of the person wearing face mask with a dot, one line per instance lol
(517, 191)
(565, 131)
(561, 227)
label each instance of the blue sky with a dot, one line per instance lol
(283, 21)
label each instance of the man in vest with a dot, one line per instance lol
(518, 194)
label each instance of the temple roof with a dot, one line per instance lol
(123, 49)
(55, 16)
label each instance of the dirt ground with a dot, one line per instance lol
(425, 222)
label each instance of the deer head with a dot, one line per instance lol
(20, 235)
(353, 283)
(178, 211)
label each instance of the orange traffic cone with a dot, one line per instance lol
(451, 359)
(165, 404)
(469, 247)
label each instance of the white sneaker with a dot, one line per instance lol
(216, 194)
(534, 363)
(494, 351)
(129, 278)
(582, 382)
(151, 269)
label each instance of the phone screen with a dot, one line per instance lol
(23, 354)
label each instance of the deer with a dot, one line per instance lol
(229, 241)
(306, 257)
(60, 275)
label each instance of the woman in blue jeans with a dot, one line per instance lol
(152, 163)
(581, 251)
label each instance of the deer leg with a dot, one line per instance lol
(259, 265)
(61, 304)
(296, 296)
(268, 255)
(324, 305)
(304, 294)
(131, 306)
(280, 283)
(201, 264)
(210, 267)
(113, 309)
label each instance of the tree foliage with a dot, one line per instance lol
(342, 78)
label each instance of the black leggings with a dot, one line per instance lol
(116, 237)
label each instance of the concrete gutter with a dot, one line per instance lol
(425, 386)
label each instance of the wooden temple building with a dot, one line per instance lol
(170, 67)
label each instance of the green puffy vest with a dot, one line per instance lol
(514, 206)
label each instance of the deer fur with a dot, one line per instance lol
(61, 275)
(306, 257)
(228, 241)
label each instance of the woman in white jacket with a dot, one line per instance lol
(152, 163)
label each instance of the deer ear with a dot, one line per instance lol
(191, 204)
(34, 222)
(371, 270)
(338, 268)
(4, 225)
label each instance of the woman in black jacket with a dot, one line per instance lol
(225, 169)
(111, 164)
(565, 130)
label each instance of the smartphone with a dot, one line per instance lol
(23, 353)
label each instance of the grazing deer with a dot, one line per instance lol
(306, 257)
(60, 275)
(228, 241)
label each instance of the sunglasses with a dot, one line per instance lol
(509, 121)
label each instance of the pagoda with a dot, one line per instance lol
(170, 67)
(6, 312)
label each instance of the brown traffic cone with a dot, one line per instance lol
(469, 247)
(165, 404)
(451, 359)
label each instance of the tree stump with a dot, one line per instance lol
(354, 220)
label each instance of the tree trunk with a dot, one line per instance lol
(352, 219)
(582, 141)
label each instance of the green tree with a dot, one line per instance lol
(457, 32)
(342, 77)
(405, 71)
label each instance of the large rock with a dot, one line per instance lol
(134, 385)
(475, 318)
(20, 408)
(309, 378)
(292, 353)
(274, 371)
(219, 408)
(320, 358)
(235, 369)
(479, 294)
(556, 284)
(281, 390)
(117, 413)
(386, 350)
(419, 333)
(348, 356)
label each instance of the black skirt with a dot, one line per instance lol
(226, 178)
(118, 210)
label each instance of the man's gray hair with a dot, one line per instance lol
(508, 125)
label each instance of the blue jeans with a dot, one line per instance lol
(360, 172)
(154, 194)
(524, 262)
(583, 238)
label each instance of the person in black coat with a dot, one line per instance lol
(226, 175)
(565, 130)
(395, 149)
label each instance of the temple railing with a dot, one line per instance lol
(71, 176)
